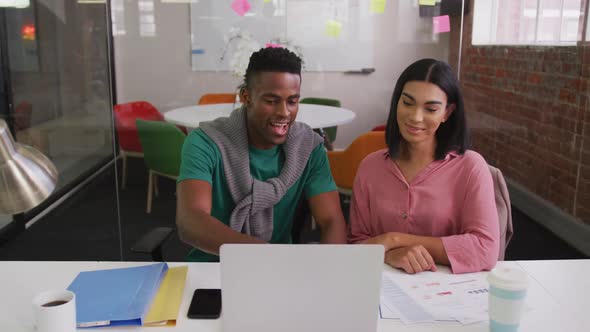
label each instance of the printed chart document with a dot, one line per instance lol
(434, 296)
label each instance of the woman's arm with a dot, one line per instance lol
(359, 229)
(476, 245)
(433, 244)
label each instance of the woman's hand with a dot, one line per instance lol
(412, 259)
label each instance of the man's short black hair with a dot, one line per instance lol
(272, 59)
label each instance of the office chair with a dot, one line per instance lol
(330, 131)
(162, 146)
(125, 116)
(217, 98)
(152, 243)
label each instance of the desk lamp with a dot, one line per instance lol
(27, 177)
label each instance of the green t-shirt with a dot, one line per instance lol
(201, 160)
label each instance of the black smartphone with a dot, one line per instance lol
(206, 304)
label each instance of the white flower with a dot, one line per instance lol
(241, 55)
(244, 47)
(288, 44)
(232, 33)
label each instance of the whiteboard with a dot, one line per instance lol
(300, 24)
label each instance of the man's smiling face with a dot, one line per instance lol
(271, 107)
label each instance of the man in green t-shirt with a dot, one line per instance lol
(241, 177)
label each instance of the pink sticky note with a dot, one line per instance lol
(273, 45)
(241, 7)
(441, 24)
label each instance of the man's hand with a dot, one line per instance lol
(412, 259)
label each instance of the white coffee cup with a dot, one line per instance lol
(55, 311)
(507, 295)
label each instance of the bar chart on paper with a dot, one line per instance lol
(430, 297)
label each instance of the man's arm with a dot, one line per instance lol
(196, 226)
(326, 211)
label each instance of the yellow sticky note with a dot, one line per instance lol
(427, 2)
(166, 303)
(333, 28)
(378, 6)
(267, 0)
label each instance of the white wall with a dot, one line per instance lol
(158, 69)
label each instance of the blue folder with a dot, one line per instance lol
(116, 296)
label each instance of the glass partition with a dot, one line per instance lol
(57, 73)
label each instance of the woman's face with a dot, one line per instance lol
(421, 109)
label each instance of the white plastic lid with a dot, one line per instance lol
(508, 278)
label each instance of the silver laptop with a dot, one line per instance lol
(300, 288)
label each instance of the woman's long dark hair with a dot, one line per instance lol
(452, 135)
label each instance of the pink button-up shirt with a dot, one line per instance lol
(451, 198)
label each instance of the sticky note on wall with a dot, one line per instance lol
(241, 7)
(333, 28)
(427, 2)
(378, 6)
(441, 24)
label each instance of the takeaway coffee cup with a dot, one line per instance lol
(55, 311)
(508, 287)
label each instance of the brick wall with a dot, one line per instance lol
(528, 110)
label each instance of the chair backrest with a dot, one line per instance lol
(504, 210)
(22, 116)
(321, 101)
(217, 98)
(344, 164)
(125, 116)
(379, 128)
(330, 131)
(162, 145)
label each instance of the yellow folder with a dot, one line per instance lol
(164, 308)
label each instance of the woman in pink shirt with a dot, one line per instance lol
(426, 198)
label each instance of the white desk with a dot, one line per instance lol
(559, 296)
(316, 116)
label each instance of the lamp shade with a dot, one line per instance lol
(27, 177)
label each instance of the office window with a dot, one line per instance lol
(147, 26)
(526, 22)
(118, 17)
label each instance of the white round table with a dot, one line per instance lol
(316, 116)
